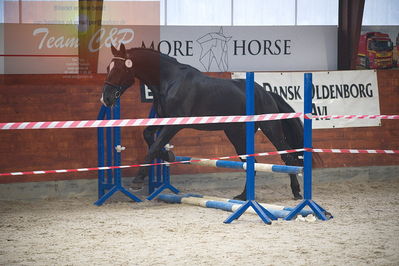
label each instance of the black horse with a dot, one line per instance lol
(182, 91)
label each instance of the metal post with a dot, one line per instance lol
(159, 175)
(164, 185)
(159, 172)
(250, 138)
(117, 141)
(307, 143)
(109, 146)
(151, 181)
(264, 214)
(152, 173)
(232, 13)
(100, 154)
(307, 138)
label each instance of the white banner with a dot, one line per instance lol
(252, 48)
(238, 48)
(334, 93)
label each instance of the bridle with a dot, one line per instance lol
(119, 89)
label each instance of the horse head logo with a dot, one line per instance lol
(214, 50)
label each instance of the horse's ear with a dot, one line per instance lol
(113, 50)
(122, 49)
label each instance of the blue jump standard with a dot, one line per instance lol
(113, 182)
(264, 214)
(159, 176)
(165, 185)
(307, 174)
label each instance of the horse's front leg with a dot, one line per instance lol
(166, 133)
(149, 134)
(149, 137)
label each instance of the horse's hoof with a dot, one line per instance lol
(168, 156)
(298, 197)
(171, 157)
(240, 197)
(136, 185)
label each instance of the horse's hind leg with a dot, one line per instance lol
(274, 132)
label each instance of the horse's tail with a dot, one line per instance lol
(293, 128)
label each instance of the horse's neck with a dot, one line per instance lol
(152, 69)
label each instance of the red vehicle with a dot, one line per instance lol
(375, 50)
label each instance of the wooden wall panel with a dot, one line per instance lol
(60, 97)
(384, 137)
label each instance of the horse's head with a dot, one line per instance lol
(120, 76)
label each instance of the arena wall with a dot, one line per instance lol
(66, 97)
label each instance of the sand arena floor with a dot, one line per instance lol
(365, 230)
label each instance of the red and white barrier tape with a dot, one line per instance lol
(353, 151)
(148, 121)
(139, 165)
(177, 121)
(351, 116)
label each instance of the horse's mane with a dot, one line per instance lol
(165, 56)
